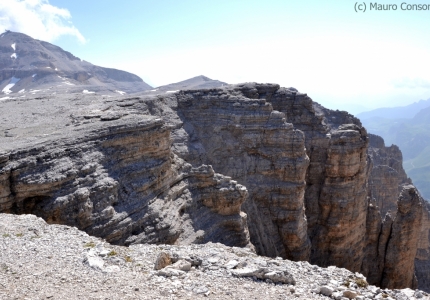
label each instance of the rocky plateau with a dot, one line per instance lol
(259, 170)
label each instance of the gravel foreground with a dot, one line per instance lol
(41, 261)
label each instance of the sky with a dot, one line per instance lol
(340, 56)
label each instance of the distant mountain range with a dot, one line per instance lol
(410, 133)
(28, 65)
(408, 111)
(32, 66)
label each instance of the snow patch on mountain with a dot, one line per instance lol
(120, 92)
(12, 82)
(14, 56)
(13, 46)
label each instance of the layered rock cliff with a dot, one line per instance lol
(251, 164)
(121, 181)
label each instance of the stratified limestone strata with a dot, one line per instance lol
(339, 238)
(399, 262)
(238, 131)
(226, 165)
(246, 139)
(119, 180)
(336, 179)
(387, 175)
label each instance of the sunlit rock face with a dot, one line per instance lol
(251, 165)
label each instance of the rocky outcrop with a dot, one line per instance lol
(234, 131)
(387, 179)
(402, 243)
(250, 163)
(387, 176)
(120, 181)
(246, 139)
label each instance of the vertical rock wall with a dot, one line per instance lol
(394, 241)
(246, 139)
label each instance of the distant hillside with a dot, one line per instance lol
(195, 83)
(31, 66)
(412, 135)
(408, 111)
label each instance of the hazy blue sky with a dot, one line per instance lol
(341, 58)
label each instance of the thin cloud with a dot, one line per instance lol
(37, 18)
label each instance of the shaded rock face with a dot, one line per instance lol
(384, 238)
(422, 259)
(336, 179)
(387, 175)
(246, 139)
(121, 181)
(330, 181)
(247, 163)
(399, 264)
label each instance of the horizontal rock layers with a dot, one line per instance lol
(246, 139)
(246, 163)
(119, 180)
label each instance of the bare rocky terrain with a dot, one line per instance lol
(41, 261)
(253, 174)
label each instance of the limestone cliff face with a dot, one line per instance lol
(246, 139)
(247, 165)
(387, 175)
(234, 131)
(402, 243)
(391, 193)
(336, 179)
(119, 180)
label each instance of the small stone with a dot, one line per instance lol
(163, 259)
(169, 272)
(213, 260)
(349, 294)
(337, 295)
(326, 290)
(280, 276)
(201, 290)
(418, 295)
(95, 262)
(231, 264)
(182, 265)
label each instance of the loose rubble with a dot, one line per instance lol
(41, 261)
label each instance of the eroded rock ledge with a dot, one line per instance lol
(248, 165)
